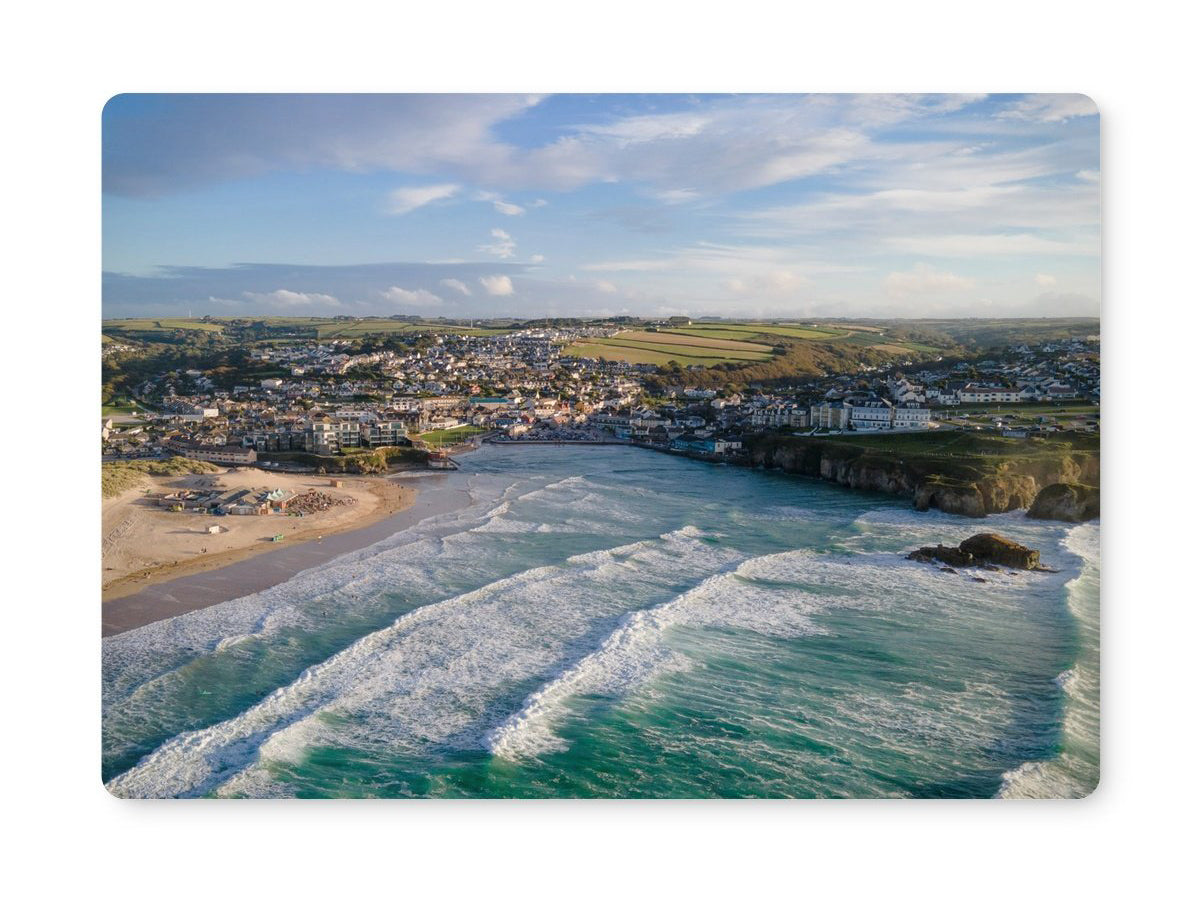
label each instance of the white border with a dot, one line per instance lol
(67, 832)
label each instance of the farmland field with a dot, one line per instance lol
(744, 331)
(702, 340)
(621, 354)
(161, 325)
(660, 348)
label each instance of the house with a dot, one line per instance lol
(695, 444)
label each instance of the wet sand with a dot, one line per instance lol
(437, 494)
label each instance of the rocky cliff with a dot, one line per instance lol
(1066, 502)
(988, 478)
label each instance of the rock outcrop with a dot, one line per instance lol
(993, 548)
(951, 556)
(1066, 502)
(986, 550)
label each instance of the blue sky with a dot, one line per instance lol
(485, 204)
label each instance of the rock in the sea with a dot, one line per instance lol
(988, 547)
(983, 550)
(950, 556)
(1066, 502)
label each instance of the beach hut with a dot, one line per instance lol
(277, 538)
(214, 529)
(335, 482)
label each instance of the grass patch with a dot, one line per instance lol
(742, 331)
(658, 348)
(444, 437)
(118, 477)
(674, 339)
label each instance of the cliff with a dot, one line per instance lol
(965, 473)
(1066, 502)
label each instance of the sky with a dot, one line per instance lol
(478, 205)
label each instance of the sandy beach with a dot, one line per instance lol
(144, 544)
(175, 590)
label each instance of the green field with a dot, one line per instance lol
(1074, 407)
(444, 437)
(739, 342)
(322, 328)
(160, 326)
(747, 331)
(867, 337)
(660, 348)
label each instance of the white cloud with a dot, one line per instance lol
(497, 285)
(606, 287)
(974, 245)
(647, 128)
(677, 195)
(504, 246)
(1050, 108)
(924, 279)
(499, 204)
(455, 285)
(1045, 280)
(405, 200)
(537, 258)
(537, 204)
(1091, 175)
(403, 297)
(289, 299)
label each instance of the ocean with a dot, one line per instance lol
(614, 622)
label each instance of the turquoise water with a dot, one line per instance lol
(611, 622)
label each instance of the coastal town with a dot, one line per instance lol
(450, 389)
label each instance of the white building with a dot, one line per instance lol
(869, 415)
(983, 393)
(910, 415)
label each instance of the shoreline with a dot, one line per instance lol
(174, 590)
(389, 502)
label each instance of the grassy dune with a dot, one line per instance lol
(118, 477)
